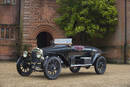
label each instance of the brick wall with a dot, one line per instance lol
(7, 49)
(9, 13)
(128, 29)
(9, 19)
(38, 17)
(8, 41)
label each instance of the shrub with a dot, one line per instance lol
(94, 18)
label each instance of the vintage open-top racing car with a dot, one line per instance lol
(51, 59)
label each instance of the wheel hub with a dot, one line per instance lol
(52, 67)
(101, 65)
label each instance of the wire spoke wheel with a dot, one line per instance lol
(100, 65)
(24, 67)
(52, 68)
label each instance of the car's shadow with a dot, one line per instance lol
(81, 74)
(67, 75)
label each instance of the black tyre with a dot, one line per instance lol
(75, 69)
(100, 65)
(52, 68)
(24, 67)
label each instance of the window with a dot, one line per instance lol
(7, 33)
(9, 2)
(2, 33)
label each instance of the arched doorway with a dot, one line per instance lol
(44, 39)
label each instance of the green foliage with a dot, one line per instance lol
(94, 17)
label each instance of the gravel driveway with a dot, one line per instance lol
(115, 76)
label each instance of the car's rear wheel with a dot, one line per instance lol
(24, 67)
(52, 68)
(75, 69)
(100, 65)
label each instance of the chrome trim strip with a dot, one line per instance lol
(81, 65)
(85, 57)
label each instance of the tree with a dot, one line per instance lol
(94, 18)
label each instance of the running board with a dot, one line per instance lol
(81, 65)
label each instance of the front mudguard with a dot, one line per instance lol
(96, 56)
(22, 58)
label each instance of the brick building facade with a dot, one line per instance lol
(8, 27)
(38, 28)
(38, 18)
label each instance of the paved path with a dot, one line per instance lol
(115, 76)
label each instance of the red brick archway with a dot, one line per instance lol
(53, 31)
(44, 39)
(45, 28)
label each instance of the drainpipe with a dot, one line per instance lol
(19, 30)
(125, 42)
(19, 10)
(19, 16)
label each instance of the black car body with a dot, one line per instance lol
(51, 59)
(69, 54)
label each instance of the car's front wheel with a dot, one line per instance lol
(24, 67)
(75, 69)
(100, 65)
(52, 68)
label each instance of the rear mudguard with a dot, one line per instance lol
(46, 60)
